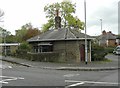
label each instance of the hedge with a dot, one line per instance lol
(43, 57)
(98, 53)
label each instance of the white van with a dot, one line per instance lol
(117, 50)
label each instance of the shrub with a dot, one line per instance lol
(25, 46)
(21, 53)
(109, 49)
(22, 50)
(98, 53)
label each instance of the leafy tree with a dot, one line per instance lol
(31, 33)
(9, 38)
(24, 46)
(4, 32)
(66, 9)
(26, 32)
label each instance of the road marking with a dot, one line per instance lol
(9, 66)
(8, 78)
(77, 83)
(4, 66)
(71, 75)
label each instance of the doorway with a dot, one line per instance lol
(82, 52)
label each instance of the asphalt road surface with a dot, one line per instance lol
(16, 75)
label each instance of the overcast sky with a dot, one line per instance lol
(20, 12)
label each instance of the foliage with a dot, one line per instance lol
(48, 25)
(9, 38)
(4, 32)
(109, 49)
(98, 52)
(25, 46)
(66, 9)
(26, 32)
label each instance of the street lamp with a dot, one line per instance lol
(101, 25)
(4, 36)
(86, 58)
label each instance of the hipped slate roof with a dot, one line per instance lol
(60, 34)
(107, 36)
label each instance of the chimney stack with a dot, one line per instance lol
(57, 20)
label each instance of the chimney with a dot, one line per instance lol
(104, 32)
(57, 20)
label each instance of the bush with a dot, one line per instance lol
(21, 53)
(109, 49)
(98, 53)
(22, 50)
(25, 46)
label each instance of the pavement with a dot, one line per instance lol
(90, 66)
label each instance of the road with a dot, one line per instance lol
(16, 75)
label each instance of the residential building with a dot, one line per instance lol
(68, 43)
(61, 44)
(107, 39)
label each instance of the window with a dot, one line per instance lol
(43, 47)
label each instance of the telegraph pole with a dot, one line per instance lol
(86, 58)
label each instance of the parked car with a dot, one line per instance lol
(117, 50)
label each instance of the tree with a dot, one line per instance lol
(9, 38)
(27, 31)
(31, 32)
(66, 9)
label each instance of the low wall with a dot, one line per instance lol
(43, 57)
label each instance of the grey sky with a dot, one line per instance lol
(20, 12)
(119, 17)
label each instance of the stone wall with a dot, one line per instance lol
(69, 50)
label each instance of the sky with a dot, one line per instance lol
(20, 12)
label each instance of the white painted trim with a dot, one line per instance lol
(9, 44)
(90, 50)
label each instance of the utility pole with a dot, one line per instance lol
(86, 58)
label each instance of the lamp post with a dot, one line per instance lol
(86, 58)
(101, 25)
(4, 34)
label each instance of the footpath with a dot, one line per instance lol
(90, 66)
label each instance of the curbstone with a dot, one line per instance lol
(68, 68)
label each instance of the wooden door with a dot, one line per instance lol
(82, 52)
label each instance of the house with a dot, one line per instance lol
(8, 48)
(118, 40)
(107, 39)
(68, 43)
(60, 44)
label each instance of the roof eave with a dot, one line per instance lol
(60, 39)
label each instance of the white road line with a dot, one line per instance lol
(9, 66)
(71, 75)
(3, 66)
(8, 78)
(76, 84)
(83, 82)
(3, 82)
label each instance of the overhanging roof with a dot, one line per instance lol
(60, 35)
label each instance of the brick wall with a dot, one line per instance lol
(111, 42)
